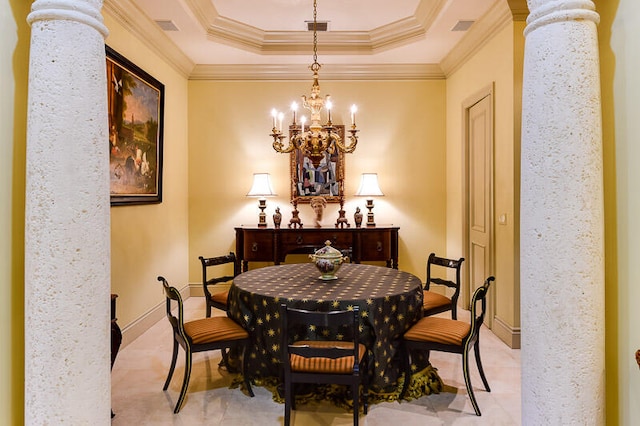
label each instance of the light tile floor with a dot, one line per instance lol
(141, 368)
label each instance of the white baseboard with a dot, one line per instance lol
(135, 329)
(195, 289)
(509, 335)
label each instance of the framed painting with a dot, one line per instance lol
(324, 179)
(136, 121)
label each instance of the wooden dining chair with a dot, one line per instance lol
(448, 335)
(332, 361)
(200, 335)
(217, 299)
(435, 303)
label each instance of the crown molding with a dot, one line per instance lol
(240, 35)
(519, 9)
(204, 12)
(328, 72)
(236, 34)
(478, 35)
(127, 14)
(395, 34)
(428, 11)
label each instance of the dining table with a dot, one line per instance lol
(389, 301)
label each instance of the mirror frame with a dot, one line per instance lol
(296, 164)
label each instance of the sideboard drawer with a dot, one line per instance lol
(340, 241)
(295, 238)
(375, 245)
(258, 246)
(315, 239)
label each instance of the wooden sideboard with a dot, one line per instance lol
(273, 245)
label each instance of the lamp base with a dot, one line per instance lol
(262, 217)
(370, 222)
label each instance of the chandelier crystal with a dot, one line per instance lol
(314, 139)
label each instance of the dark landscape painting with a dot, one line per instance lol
(136, 104)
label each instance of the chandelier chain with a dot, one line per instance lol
(315, 66)
(316, 141)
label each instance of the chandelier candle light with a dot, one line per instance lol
(318, 139)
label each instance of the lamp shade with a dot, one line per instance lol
(261, 186)
(369, 186)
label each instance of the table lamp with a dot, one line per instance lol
(369, 188)
(261, 188)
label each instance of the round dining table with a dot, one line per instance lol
(389, 300)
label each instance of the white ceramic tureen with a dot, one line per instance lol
(328, 261)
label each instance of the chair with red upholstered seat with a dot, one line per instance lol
(331, 361)
(217, 299)
(198, 336)
(435, 303)
(447, 335)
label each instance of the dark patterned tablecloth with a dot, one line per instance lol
(390, 301)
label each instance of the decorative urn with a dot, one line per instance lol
(328, 261)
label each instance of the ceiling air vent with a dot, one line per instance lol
(167, 25)
(320, 25)
(462, 25)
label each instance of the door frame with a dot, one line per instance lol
(465, 291)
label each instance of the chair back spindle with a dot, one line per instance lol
(215, 295)
(435, 303)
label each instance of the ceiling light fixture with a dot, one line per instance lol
(319, 138)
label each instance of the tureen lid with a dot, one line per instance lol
(328, 251)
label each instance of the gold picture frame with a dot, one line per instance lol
(326, 180)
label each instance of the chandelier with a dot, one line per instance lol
(315, 139)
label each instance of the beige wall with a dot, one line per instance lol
(493, 64)
(402, 139)
(619, 47)
(14, 65)
(152, 240)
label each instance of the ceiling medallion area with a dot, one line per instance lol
(235, 33)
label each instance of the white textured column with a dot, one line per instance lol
(67, 241)
(562, 242)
